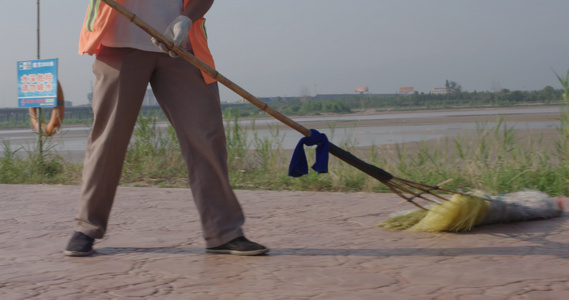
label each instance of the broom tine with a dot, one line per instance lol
(423, 186)
(437, 187)
(426, 189)
(400, 194)
(413, 194)
(378, 173)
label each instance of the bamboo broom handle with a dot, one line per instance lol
(206, 68)
(369, 169)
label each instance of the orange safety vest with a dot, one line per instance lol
(100, 17)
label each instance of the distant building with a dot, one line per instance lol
(347, 96)
(439, 91)
(406, 90)
(324, 97)
(361, 89)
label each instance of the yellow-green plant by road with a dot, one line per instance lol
(495, 159)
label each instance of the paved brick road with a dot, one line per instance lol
(324, 246)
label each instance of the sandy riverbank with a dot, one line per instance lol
(475, 116)
(361, 121)
(546, 136)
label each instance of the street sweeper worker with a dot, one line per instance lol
(126, 61)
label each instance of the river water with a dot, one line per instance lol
(341, 130)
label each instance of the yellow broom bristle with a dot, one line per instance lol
(404, 221)
(460, 213)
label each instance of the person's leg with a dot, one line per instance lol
(195, 113)
(122, 76)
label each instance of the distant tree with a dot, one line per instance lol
(453, 87)
(547, 93)
(516, 96)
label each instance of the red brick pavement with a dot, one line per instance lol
(324, 246)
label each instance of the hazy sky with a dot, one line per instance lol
(299, 47)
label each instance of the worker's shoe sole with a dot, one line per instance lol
(239, 246)
(78, 253)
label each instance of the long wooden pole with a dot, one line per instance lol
(369, 169)
(206, 68)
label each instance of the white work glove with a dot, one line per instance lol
(177, 31)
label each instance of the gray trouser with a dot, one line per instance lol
(193, 109)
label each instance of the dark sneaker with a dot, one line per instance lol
(79, 245)
(239, 246)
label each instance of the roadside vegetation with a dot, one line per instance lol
(495, 160)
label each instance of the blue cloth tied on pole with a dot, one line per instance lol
(299, 165)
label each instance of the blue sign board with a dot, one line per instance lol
(37, 83)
